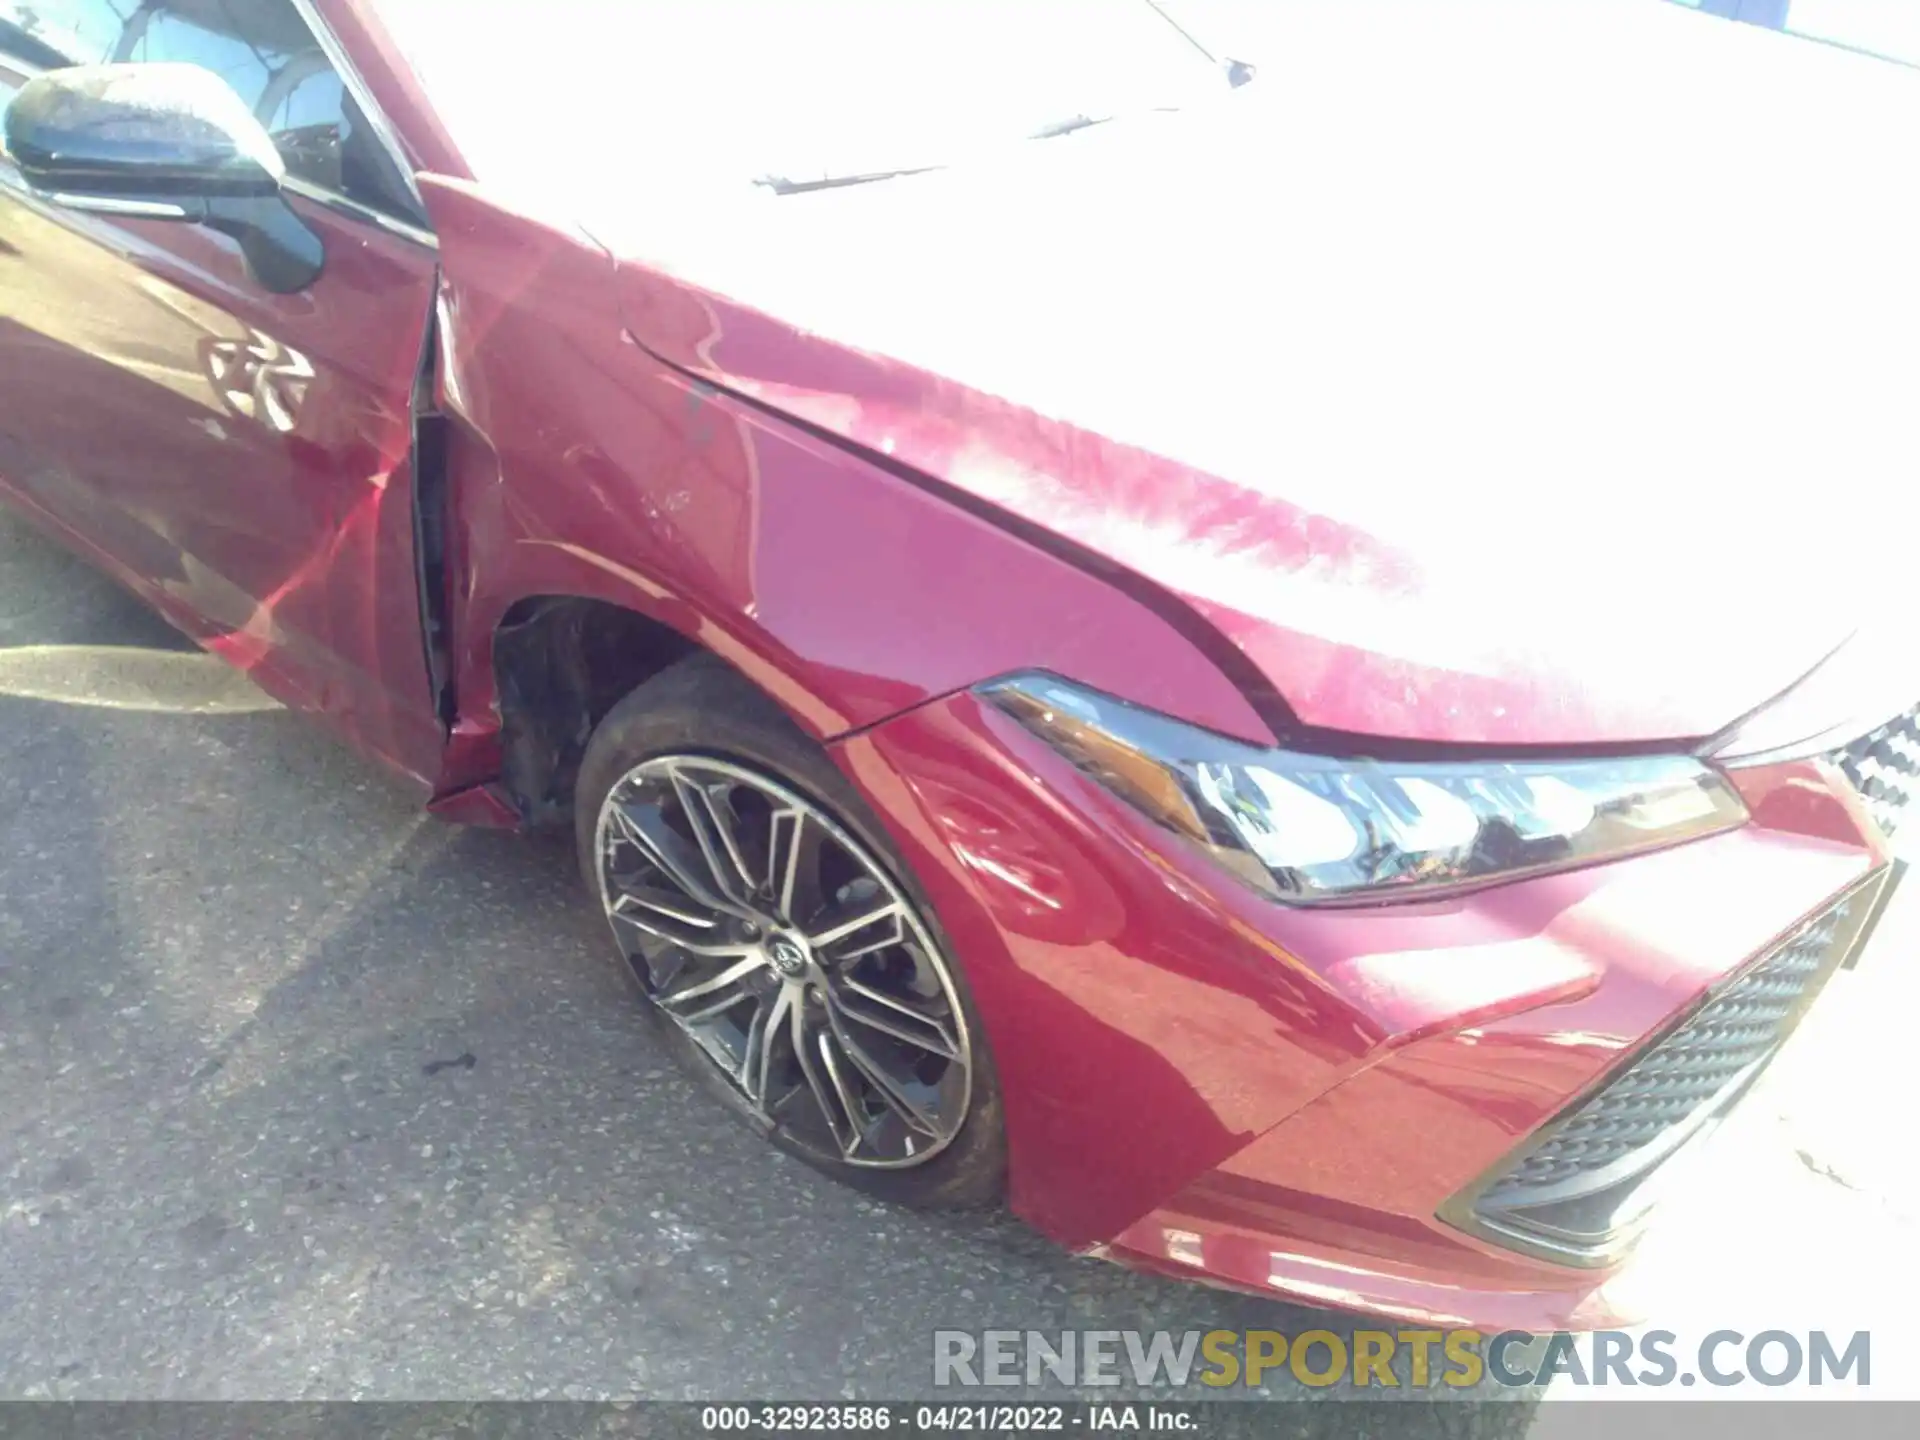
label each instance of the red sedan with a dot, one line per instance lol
(1236, 639)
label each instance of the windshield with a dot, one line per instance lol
(731, 93)
(1889, 29)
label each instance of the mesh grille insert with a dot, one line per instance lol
(1884, 766)
(1693, 1064)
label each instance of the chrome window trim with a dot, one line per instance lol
(111, 205)
(354, 210)
(383, 131)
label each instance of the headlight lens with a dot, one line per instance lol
(1313, 829)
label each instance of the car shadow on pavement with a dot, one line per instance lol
(312, 1096)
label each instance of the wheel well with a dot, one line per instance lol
(561, 662)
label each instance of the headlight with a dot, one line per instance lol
(1312, 829)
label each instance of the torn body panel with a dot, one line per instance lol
(1461, 451)
(580, 466)
(430, 533)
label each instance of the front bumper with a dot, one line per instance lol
(1376, 1108)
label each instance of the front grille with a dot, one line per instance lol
(1580, 1193)
(1884, 767)
(1726, 1035)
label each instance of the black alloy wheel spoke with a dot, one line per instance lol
(793, 866)
(711, 818)
(795, 963)
(681, 864)
(836, 1107)
(715, 994)
(878, 1011)
(847, 932)
(763, 1035)
(891, 1092)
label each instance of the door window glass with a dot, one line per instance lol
(50, 33)
(262, 48)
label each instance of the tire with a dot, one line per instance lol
(821, 1038)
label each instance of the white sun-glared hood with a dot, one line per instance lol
(1519, 373)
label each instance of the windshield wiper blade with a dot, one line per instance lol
(1068, 126)
(785, 185)
(781, 185)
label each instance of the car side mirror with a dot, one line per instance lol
(162, 142)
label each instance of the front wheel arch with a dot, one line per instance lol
(560, 664)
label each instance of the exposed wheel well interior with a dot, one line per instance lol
(561, 662)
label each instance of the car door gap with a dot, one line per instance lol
(430, 530)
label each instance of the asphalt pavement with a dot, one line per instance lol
(306, 1096)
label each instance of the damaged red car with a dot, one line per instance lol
(1261, 637)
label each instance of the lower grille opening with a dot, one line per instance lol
(1580, 1192)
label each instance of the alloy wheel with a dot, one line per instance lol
(776, 942)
